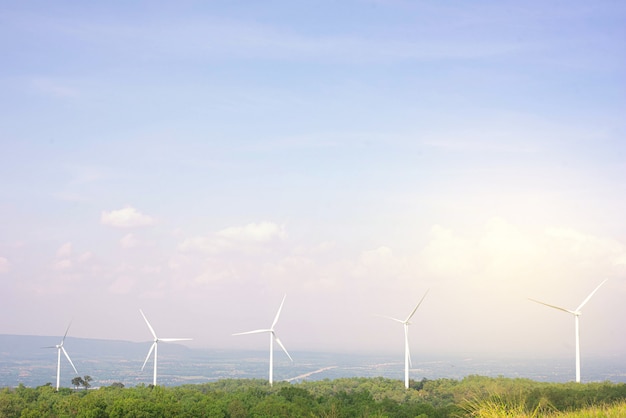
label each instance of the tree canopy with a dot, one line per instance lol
(349, 397)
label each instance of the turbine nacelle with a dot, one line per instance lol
(407, 350)
(154, 347)
(60, 349)
(577, 313)
(273, 337)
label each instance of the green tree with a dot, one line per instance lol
(86, 381)
(236, 409)
(77, 381)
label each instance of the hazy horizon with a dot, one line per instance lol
(389, 350)
(110, 361)
(200, 160)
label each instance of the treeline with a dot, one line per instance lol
(349, 397)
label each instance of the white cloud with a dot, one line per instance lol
(122, 285)
(379, 264)
(381, 255)
(65, 250)
(214, 272)
(235, 238)
(501, 251)
(304, 272)
(496, 266)
(65, 259)
(585, 253)
(151, 269)
(129, 241)
(86, 256)
(585, 244)
(128, 217)
(201, 244)
(4, 265)
(177, 262)
(70, 266)
(253, 232)
(64, 264)
(449, 255)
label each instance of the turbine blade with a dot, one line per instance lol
(69, 359)
(590, 295)
(66, 331)
(555, 307)
(256, 331)
(169, 340)
(390, 317)
(149, 354)
(418, 305)
(281, 346)
(278, 313)
(149, 326)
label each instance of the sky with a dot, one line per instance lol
(198, 160)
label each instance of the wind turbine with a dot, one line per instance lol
(155, 346)
(576, 314)
(273, 337)
(407, 352)
(60, 348)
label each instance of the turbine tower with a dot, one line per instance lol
(60, 348)
(154, 347)
(577, 312)
(273, 337)
(407, 352)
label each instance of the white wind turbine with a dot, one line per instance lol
(273, 337)
(60, 348)
(155, 346)
(407, 352)
(576, 314)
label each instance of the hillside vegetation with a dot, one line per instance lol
(473, 396)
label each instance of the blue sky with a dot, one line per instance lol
(199, 160)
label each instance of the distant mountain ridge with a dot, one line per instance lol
(24, 361)
(28, 346)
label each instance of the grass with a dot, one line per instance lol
(497, 407)
(604, 411)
